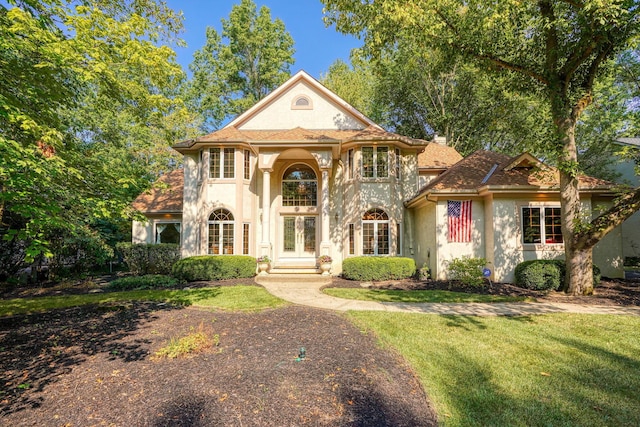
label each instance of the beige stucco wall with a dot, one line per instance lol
(608, 253)
(323, 115)
(190, 236)
(424, 238)
(631, 227)
(447, 251)
(141, 232)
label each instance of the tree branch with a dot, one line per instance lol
(491, 58)
(622, 209)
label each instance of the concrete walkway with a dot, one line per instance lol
(305, 290)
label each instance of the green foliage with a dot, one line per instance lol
(378, 268)
(424, 272)
(546, 274)
(233, 71)
(87, 113)
(148, 281)
(467, 270)
(211, 267)
(143, 258)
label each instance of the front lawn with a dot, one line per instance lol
(388, 295)
(244, 298)
(551, 370)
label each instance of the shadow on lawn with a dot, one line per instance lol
(35, 349)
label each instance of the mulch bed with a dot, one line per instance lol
(95, 366)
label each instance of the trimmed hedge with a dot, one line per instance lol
(214, 267)
(147, 258)
(149, 281)
(378, 268)
(546, 274)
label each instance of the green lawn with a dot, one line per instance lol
(384, 295)
(244, 298)
(551, 370)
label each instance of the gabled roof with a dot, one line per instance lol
(164, 197)
(486, 170)
(302, 76)
(438, 156)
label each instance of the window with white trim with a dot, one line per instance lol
(398, 239)
(245, 239)
(168, 232)
(350, 164)
(222, 163)
(247, 164)
(375, 232)
(220, 232)
(398, 163)
(375, 162)
(352, 239)
(541, 225)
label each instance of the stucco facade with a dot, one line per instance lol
(303, 174)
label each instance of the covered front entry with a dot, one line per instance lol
(299, 237)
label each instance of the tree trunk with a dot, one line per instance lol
(579, 278)
(579, 274)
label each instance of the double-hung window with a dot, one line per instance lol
(541, 225)
(375, 162)
(222, 163)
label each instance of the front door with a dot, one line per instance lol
(299, 236)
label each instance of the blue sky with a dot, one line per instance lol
(316, 47)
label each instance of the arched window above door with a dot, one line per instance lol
(299, 186)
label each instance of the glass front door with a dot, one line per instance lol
(299, 236)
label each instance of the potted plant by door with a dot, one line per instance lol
(325, 264)
(263, 265)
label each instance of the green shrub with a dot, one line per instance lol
(378, 268)
(144, 258)
(467, 270)
(149, 281)
(546, 274)
(214, 267)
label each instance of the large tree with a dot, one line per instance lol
(85, 101)
(551, 48)
(240, 66)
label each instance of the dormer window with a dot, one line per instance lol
(302, 102)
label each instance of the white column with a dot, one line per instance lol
(266, 208)
(325, 212)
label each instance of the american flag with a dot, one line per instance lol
(459, 213)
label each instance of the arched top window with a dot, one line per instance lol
(221, 232)
(375, 232)
(221, 215)
(299, 186)
(375, 215)
(302, 102)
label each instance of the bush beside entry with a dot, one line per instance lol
(378, 268)
(214, 267)
(546, 274)
(146, 258)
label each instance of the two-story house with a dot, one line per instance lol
(303, 174)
